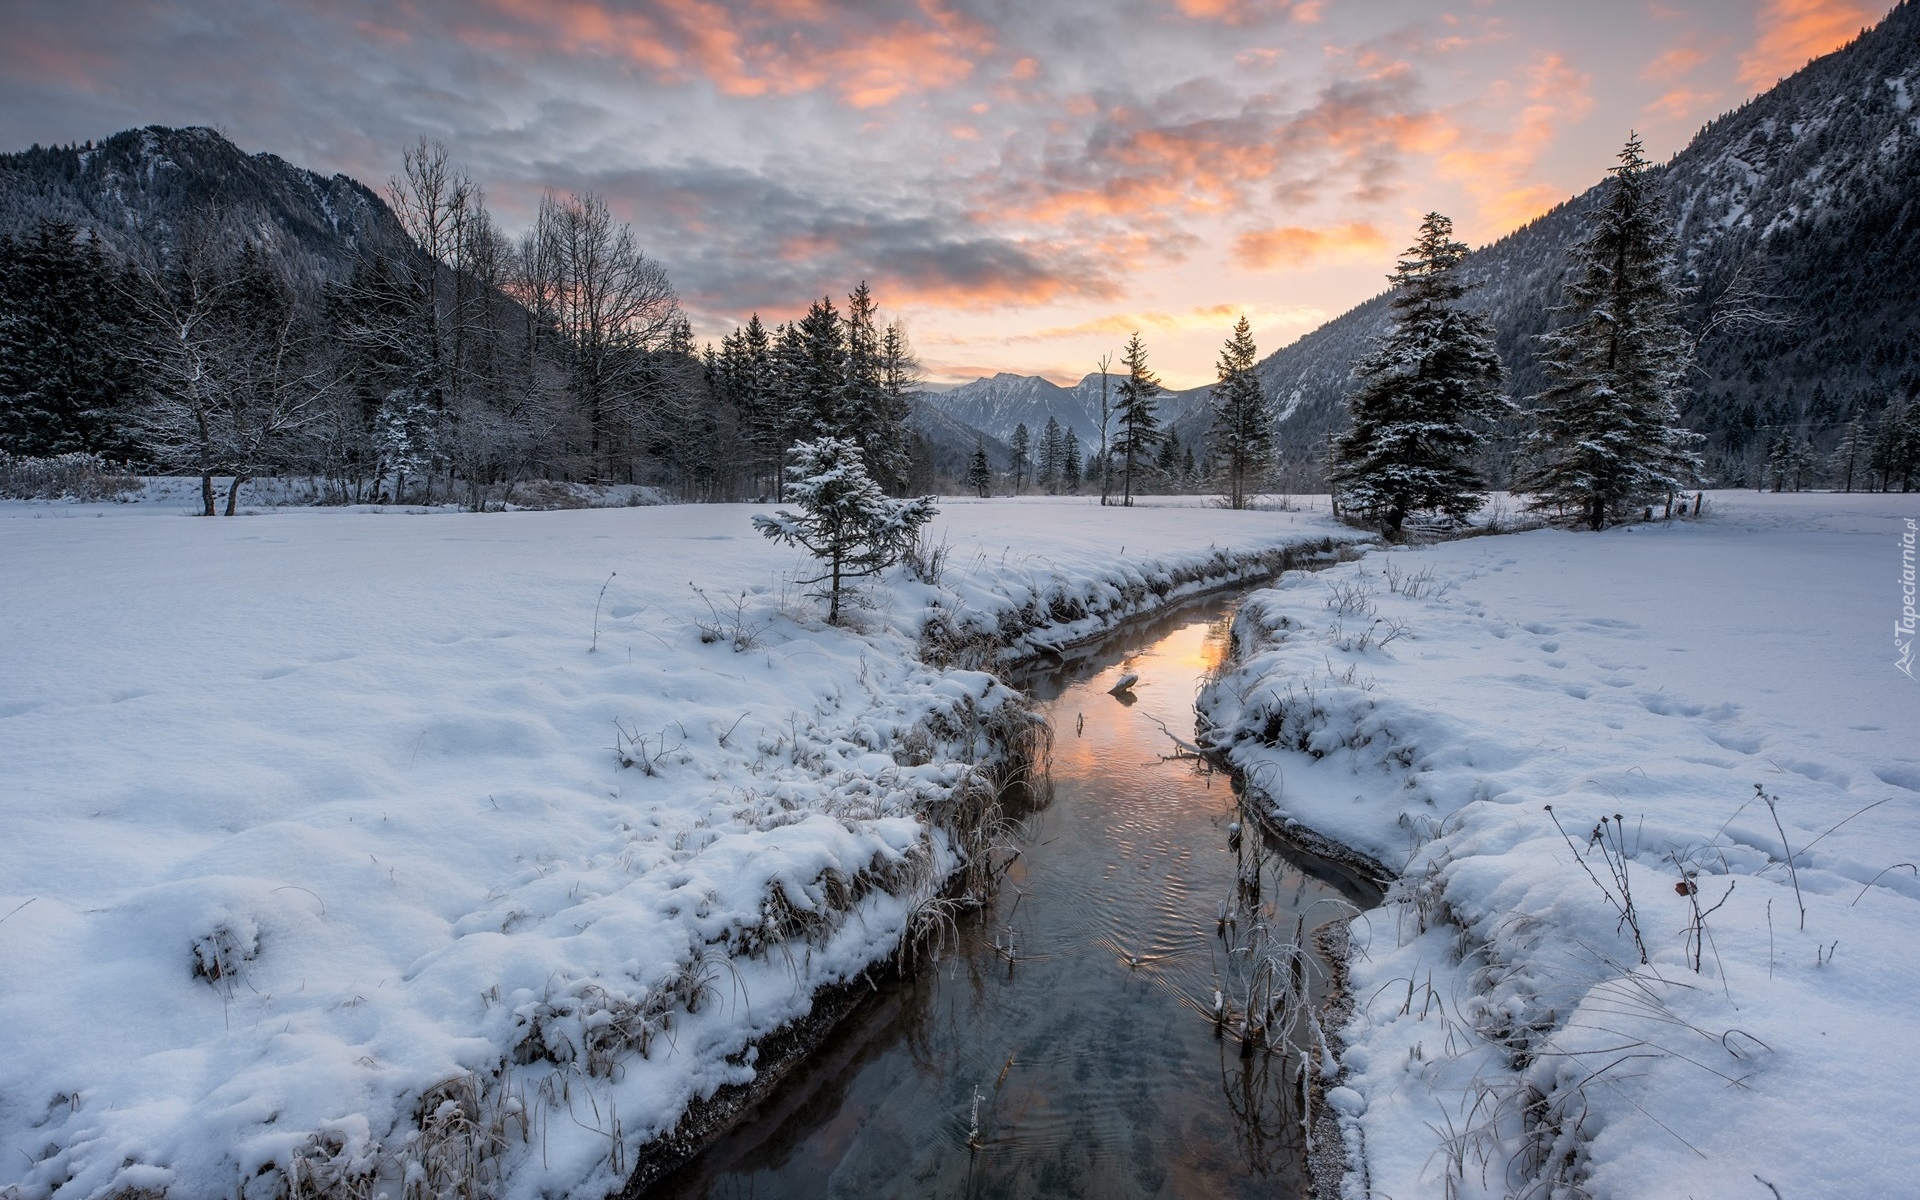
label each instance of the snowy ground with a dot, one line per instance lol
(321, 858)
(1429, 706)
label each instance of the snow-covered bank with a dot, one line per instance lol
(1427, 707)
(316, 820)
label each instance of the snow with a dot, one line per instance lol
(1505, 1031)
(365, 771)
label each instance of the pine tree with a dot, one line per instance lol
(792, 416)
(66, 360)
(979, 473)
(747, 373)
(1850, 455)
(1608, 434)
(1167, 462)
(1019, 458)
(873, 405)
(1432, 378)
(818, 385)
(1242, 429)
(1896, 447)
(845, 520)
(899, 379)
(1139, 428)
(1070, 462)
(1052, 451)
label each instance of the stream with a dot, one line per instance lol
(1071, 1043)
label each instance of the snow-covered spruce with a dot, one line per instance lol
(323, 864)
(1577, 749)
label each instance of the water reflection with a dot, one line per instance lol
(1115, 1024)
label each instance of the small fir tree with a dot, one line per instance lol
(1608, 434)
(980, 473)
(1432, 379)
(1242, 425)
(1019, 456)
(1139, 421)
(845, 520)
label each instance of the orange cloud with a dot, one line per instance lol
(1128, 166)
(1793, 31)
(1681, 103)
(1673, 64)
(1239, 12)
(777, 48)
(1297, 246)
(992, 295)
(1212, 316)
(1494, 170)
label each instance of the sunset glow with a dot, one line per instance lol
(1023, 184)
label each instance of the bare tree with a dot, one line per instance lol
(228, 354)
(1744, 303)
(608, 306)
(1106, 418)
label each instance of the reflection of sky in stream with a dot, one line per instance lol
(1091, 1060)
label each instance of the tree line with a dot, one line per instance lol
(1603, 440)
(445, 364)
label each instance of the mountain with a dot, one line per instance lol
(948, 443)
(1000, 404)
(146, 188)
(1803, 200)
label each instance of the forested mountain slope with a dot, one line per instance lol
(146, 188)
(1801, 206)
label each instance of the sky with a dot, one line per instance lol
(1023, 184)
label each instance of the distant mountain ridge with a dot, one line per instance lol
(1000, 404)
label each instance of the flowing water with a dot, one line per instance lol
(1071, 1044)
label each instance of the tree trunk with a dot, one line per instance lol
(206, 494)
(233, 492)
(833, 593)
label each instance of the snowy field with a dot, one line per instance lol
(1441, 709)
(336, 852)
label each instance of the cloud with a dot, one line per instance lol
(1297, 246)
(736, 241)
(1794, 31)
(1673, 63)
(1151, 161)
(1212, 316)
(1246, 12)
(1497, 169)
(1680, 103)
(747, 50)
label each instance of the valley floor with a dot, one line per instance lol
(348, 847)
(1573, 746)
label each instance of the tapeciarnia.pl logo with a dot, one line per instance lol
(1904, 627)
